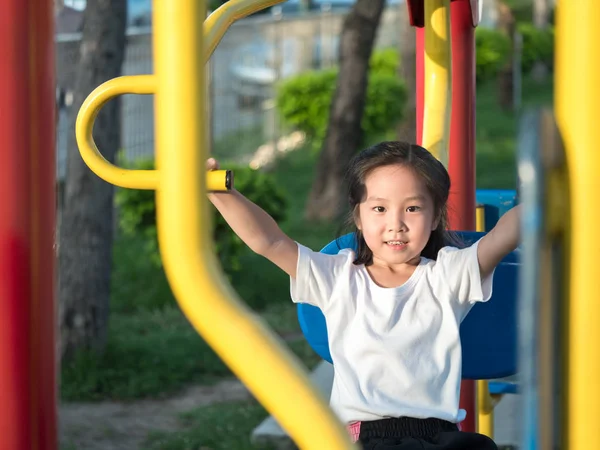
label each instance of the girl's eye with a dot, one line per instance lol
(379, 209)
(413, 208)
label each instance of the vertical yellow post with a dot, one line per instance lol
(480, 218)
(438, 79)
(577, 112)
(485, 407)
(262, 362)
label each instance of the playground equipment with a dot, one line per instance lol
(184, 223)
(27, 205)
(559, 191)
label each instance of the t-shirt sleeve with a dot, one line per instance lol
(317, 275)
(459, 268)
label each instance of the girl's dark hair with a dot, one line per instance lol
(425, 165)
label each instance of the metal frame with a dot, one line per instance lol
(28, 378)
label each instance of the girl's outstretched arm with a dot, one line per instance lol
(255, 227)
(500, 241)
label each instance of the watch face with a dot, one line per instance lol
(476, 6)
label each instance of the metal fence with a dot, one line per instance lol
(253, 56)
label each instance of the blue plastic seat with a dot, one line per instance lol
(488, 333)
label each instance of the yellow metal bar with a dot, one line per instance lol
(485, 406)
(255, 355)
(438, 79)
(480, 218)
(215, 27)
(485, 409)
(221, 19)
(218, 180)
(577, 106)
(135, 179)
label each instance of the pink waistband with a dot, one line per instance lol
(354, 430)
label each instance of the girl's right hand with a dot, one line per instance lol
(212, 164)
(255, 227)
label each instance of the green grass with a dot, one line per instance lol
(150, 353)
(223, 426)
(156, 353)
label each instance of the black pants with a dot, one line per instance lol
(411, 434)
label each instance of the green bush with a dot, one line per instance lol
(137, 213)
(493, 50)
(385, 61)
(304, 100)
(538, 46)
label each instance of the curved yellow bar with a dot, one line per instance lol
(221, 19)
(577, 108)
(218, 180)
(254, 354)
(134, 179)
(438, 79)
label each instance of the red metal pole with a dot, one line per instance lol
(462, 152)
(461, 165)
(462, 125)
(27, 222)
(420, 82)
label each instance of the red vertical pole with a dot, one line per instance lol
(462, 125)
(461, 164)
(420, 82)
(462, 152)
(27, 221)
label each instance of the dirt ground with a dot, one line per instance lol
(125, 426)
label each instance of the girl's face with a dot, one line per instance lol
(396, 216)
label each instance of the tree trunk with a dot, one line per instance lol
(86, 230)
(344, 133)
(506, 23)
(407, 129)
(541, 19)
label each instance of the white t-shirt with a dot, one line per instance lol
(396, 351)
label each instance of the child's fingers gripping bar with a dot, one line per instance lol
(219, 180)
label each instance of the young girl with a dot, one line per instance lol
(394, 307)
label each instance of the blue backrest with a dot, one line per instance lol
(488, 333)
